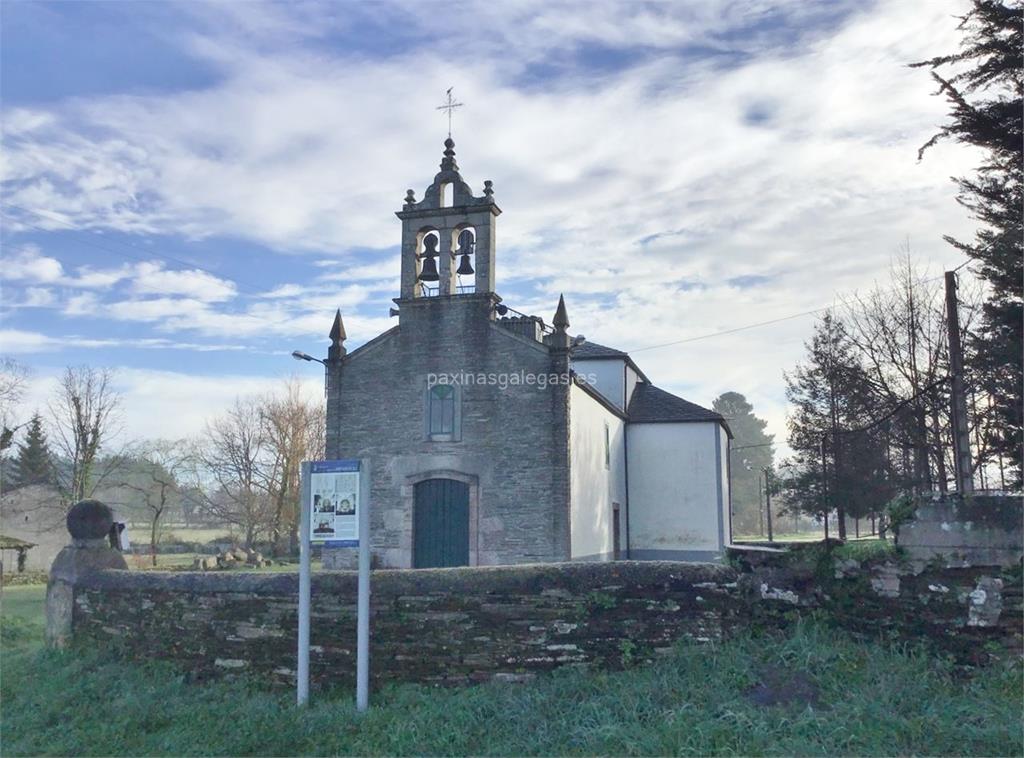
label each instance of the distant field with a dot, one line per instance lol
(781, 537)
(179, 561)
(798, 537)
(185, 533)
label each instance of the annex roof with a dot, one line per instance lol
(649, 404)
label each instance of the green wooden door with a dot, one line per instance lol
(440, 524)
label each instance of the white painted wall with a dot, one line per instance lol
(593, 486)
(674, 481)
(724, 472)
(608, 377)
(631, 379)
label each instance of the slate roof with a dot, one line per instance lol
(13, 543)
(594, 350)
(650, 404)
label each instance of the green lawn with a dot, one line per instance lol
(799, 537)
(21, 616)
(871, 699)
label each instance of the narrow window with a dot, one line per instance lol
(446, 195)
(441, 411)
(607, 447)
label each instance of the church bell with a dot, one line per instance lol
(428, 272)
(466, 242)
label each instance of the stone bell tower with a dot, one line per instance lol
(448, 236)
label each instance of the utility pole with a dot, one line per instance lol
(768, 500)
(958, 397)
(824, 483)
(760, 513)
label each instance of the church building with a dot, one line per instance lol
(498, 438)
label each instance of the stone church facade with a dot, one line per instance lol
(495, 438)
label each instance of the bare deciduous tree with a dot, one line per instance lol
(227, 469)
(85, 413)
(153, 483)
(899, 332)
(294, 428)
(13, 378)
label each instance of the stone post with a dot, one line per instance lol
(89, 523)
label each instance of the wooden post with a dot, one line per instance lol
(824, 483)
(958, 398)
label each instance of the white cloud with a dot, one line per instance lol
(19, 341)
(640, 193)
(153, 278)
(83, 304)
(38, 297)
(23, 341)
(91, 278)
(185, 401)
(27, 263)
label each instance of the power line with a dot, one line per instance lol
(763, 323)
(730, 331)
(261, 290)
(895, 409)
(748, 447)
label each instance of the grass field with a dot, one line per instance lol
(867, 699)
(799, 537)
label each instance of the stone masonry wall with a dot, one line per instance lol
(512, 450)
(447, 626)
(456, 626)
(976, 530)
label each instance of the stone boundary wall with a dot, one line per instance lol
(457, 626)
(975, 530)
(448, 626)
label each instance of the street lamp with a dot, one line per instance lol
(301, 356)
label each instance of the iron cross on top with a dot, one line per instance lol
(450, 105)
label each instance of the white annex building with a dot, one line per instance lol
(667, 459)
(497, 438)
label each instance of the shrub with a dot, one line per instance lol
(899, 511)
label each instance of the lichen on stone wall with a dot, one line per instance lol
(458, 626)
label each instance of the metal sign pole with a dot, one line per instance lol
(302, 673)
(363, 603)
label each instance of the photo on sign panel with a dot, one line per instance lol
(322, 504)
(324, 526)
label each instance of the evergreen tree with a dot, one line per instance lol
(33, 463)
(752, 454)
(832, 403)
(986, 101)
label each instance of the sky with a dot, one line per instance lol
(191, 189)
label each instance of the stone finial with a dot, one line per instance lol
(337, 349)
(448, 162)
(561, 319)
(488, 188)
(89, 521)
(410, 197)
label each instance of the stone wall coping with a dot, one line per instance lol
(578, 578)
